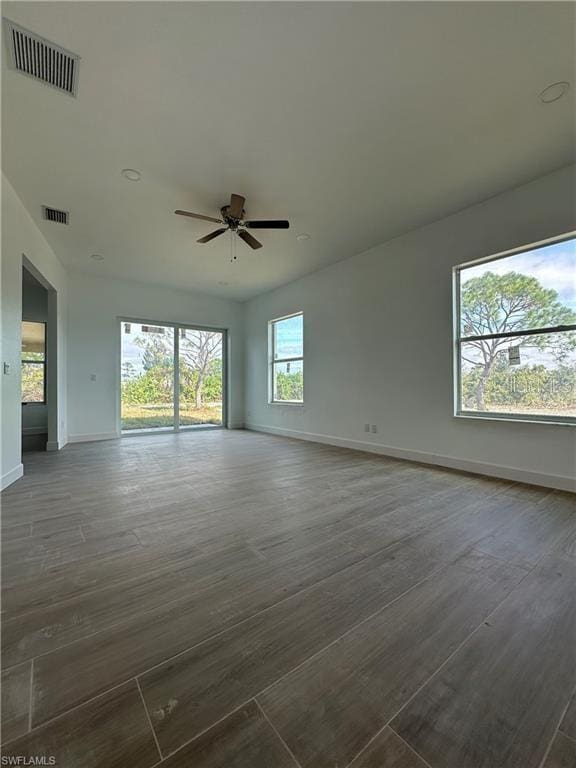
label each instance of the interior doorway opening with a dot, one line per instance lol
(172, 377)
(38, 362)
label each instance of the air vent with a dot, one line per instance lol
(39, 58)
(53, 214)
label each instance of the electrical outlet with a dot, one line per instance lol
(92, 377)
(366, 427)
(374, 428)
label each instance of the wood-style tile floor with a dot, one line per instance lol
(237, 600)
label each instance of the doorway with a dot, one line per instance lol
(172, 377)
(39, 362)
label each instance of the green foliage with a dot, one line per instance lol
(157, 350)
(211, 385)
(507, 303)
(155, 385)
(502, 303)
(519, 388)
(289, 386)
(26, 355)
(32, 383)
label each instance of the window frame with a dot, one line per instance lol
(36, 362)
(458, 340)
(272, 361)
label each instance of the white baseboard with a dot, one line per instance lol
(56, 445)
(12, 476)
(475, 467)
(93, 438)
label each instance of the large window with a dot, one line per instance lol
(286, 340)
(33, 363)
(172, 377)
(516, 334)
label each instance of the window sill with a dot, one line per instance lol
(516, 419)
(285, 402)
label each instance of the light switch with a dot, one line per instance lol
(92, 377)
(6, 368)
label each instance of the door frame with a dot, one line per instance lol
(176, 427)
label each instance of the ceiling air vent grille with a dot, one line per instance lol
(53, 214)
(39, 58)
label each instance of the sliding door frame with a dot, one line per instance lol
(177, 327)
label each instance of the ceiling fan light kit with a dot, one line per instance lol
(234, 217)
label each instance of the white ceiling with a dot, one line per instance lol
(356, 121)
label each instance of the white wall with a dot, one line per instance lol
(22, 238)
(94, 338)
(34, 302)
(378, 344)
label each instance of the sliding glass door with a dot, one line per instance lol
(172, 377)
(201, 377)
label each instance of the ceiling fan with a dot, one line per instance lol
(233, 217)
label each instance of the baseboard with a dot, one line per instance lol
(465, 465)
(12, 476)
(34, 430)
(93, 438)
(56, 445)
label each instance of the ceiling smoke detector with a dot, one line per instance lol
(131, 174)
(554, 91)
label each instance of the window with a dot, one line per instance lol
(286, 337)
(33, 362)
(516, 334)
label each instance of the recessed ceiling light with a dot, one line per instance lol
(303, 236)
(554, 91)
(97, 257)
(131, 174)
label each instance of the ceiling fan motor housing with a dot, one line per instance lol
(232, 221)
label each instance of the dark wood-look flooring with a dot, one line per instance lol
(236, 600)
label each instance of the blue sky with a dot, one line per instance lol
(289, 337)
(554, 266)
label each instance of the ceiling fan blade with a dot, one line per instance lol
(236, 206)
(248, 239)
(274, 224)
(199, 216)
(212, 235)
